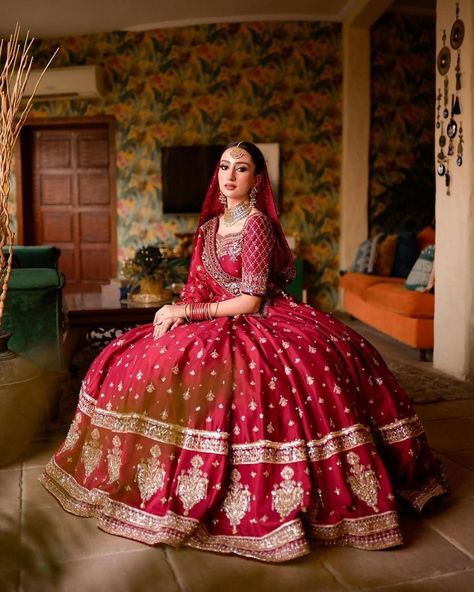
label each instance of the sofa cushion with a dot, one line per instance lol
(359, 282)
(361, 261)
(405, 254)
(35, 278)
(420, 273)
(393, 297)
(374, 251)
(426, 237)
(386, 255)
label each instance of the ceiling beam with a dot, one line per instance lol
(362, 14)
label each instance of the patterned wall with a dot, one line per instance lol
(267, 82)
(402, 183)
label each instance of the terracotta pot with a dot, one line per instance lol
(23, 403)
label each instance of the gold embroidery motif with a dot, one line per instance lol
(397, 431)
(269, 452)
(363, 481)
(114, 460)
(150, 475)
(287, 496)
(237, 501)
(192, 485)
(91, 453)
(73, 434)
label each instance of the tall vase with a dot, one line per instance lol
(22, 402)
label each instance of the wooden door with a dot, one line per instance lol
(71, 201)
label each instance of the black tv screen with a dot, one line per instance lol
(186, 173)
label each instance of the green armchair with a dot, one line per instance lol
(33, 308)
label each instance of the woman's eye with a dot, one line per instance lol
(224, 167)
(242, 169)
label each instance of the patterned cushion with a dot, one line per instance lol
(405, 255)
(419, 276)
(374, 252)
(361, 261)
(386, 255)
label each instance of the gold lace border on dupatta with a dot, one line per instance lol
(286, 542)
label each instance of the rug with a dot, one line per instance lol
(428, 386)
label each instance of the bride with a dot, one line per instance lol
(243, 421)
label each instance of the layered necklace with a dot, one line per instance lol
(237, 213)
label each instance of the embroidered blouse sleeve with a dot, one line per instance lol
(257, 249)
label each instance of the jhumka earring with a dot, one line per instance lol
(253, 195)
(223, 199)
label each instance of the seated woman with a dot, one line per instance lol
(242, 421)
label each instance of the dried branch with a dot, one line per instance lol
(13, 79)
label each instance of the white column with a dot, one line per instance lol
(454, 259)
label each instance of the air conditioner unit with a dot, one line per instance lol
(70, 82)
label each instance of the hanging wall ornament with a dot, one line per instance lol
(447, 180)
(452, 127)
(444, 57)
(458, 71)
(446, 95)
(439, 96)
(460, 143)
(457, 31)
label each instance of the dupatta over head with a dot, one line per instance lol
(283, 268)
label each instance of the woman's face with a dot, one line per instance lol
(236, 174)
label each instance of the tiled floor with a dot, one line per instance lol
(65, 553)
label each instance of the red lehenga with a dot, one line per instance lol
(256, 435)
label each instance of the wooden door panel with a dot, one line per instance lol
(56, 190)
(93, 152)
(95, 227)
(57, 227)
(94, 266)
(54, 152)
(72, 201)
(93, 190)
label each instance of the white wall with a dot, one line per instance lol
(454, 262)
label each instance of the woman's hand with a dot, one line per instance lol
(167, 318)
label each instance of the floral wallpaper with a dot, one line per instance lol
(402, 182)
(266, 82)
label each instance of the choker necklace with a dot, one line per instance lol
(237, 213)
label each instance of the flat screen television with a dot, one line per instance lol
(187, 170)
(186, 173)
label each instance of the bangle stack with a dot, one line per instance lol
(199, 311)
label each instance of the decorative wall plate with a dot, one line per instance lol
(457, 34)
(444, 60)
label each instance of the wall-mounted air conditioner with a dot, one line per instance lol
(70, 82)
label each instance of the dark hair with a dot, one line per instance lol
(255, 153)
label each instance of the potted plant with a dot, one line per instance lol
(152, 275)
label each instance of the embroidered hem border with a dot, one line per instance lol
(253, 452)
(284, 543)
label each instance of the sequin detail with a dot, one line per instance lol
(363, 481)
(73, 434)
(287, 496)
(237, 501)
(192, 485)
(150, 475)
(91, 453)
(114, 460)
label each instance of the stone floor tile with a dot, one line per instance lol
(450, 434)
(9, 580)
(461, 479)
(138, 571)
(34, 494)
(446, 409)
(455, 523)
(10, 486)
(71, 537)
(463, 457)
(40, 452)
(425, 554)
(462, 581)
(203, 571)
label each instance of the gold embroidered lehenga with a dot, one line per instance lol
(256, 435)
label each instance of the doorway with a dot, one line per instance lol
(66, 195)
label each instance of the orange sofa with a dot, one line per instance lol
(385, 304)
